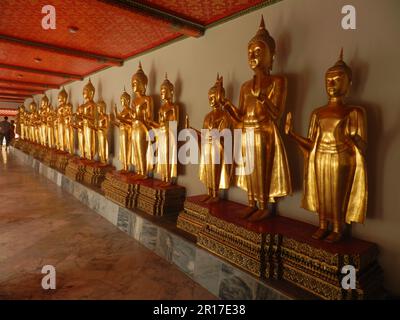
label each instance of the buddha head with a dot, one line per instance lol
(216, 94)
(62, 96)
(139, 81)
(261, 49)
(88, 91)
(167, 90)
(33, 106)
(125, 99)
(338, 78)
(101, 107)
(44, 103)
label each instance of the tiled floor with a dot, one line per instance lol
(42, 225)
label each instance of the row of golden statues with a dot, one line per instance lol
(335, 181)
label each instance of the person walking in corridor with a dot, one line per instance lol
(5, 132)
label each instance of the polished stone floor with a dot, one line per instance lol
(42, 225)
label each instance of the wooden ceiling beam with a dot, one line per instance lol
(45, 86)
(62, 50)
(41, 71)
(32, 91)
(179, 24)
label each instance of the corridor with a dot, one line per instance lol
(42, 225)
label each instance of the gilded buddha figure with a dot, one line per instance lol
(78, 125)
(335, 180)
(167, 149)
(61, 130)
(102, 127)
(215, 171)
(142, 116)
(67, 114)
(34, 123)
(20, 130)
(123, 120)
(262, 102)
(51, 118)
(89, 121)
(44, 103)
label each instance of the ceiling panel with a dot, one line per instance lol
(204, 12)
(102, 28)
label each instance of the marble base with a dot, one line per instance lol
(161, 236)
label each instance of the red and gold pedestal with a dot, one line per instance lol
(76, 168)
(282, 248)
(158, 198)
(95, 172)
(62, 159)
(149, 195)
(121, 187)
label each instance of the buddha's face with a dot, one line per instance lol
(337, 83)
(259, 56)
(138, 86)
(32, 107)
(62, 99)
(165, 93)
(88, 94)
(44, 103)
(124, 102)
(213, 98)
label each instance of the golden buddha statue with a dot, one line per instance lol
(89, 121)
(215, 172)
(20, 128)
(60, 122)
(50, 119)
(44, 103)
(123, 120)
(103, 124)
(78, 125)
(142, 116)
(34, 122)
(69, 142)
(262, 102)
(335, 177)
(167, 150)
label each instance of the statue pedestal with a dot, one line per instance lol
(282, 248)
(50, 157)
(158, 199)
(120, 187)
(95, 172)
(193, 217)
(76, 168)
(62, 159)
(148, 195)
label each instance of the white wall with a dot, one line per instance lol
(309, 36)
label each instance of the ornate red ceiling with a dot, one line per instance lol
(107, 32)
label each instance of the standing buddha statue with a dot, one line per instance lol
(123, 120)
(142, 115)
(60, 123)
(89, 117)
(103, 124)
(43, 120)
(68, 128)
(50, 120)
(215, 171)
(262, 102)
(167, 148)
(78, 125)
(335, 177)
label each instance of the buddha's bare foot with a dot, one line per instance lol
(259, 215)
(204, 198)
(212, 200)
(320, 234)
(247, 212)
(334, 237)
